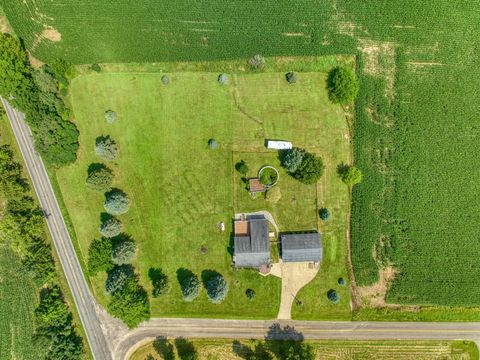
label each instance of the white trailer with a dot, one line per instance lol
(279, 145)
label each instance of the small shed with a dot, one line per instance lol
(301, 247)
(279, 145)
(256, 186)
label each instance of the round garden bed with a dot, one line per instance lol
(268, 176)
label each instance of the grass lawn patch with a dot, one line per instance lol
(179, 188)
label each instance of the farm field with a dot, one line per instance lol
(325, 350)
(415, 136)
(180, 189)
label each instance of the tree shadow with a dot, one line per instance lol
(185, 349)
(284, 341)
(104, 216)
(164, 348)
(208, 274)
(93, 167)
(121, 238)
(115, 191)
(155, 274)
(183, 274)
(259, 351)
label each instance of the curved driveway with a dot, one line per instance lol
(110, 340)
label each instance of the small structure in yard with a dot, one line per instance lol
(279, 145)
(251, 243)
(255, 186)
(302, 247)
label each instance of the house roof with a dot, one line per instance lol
(256, 186)
(301, 247)
(241, 227)
(253, 250)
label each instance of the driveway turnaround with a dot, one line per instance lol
(110, 340)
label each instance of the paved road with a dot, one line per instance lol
(84, 301)
(109, 340)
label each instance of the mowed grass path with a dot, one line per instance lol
(180, 189)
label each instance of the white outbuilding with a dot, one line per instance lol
(279, 145)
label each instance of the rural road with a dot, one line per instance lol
(110, 340)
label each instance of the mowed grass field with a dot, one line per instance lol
(327, 350)
(180, 189)
(416, 134)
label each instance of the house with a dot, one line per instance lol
(256, 186)
(279, 145)
(251, 243)
(301, 247)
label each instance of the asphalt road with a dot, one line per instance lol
(60, 236)
(122, 342)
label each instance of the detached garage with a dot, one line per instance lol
(304, 247)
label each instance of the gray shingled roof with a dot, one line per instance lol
(301, 247)
(253, 250)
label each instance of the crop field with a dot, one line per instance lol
(325, 350)
(180, 189)
(416, 133)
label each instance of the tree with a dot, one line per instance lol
(111, 227)
(190, 287)
(310, 169)
(324, 214)
(300, 351)
(106, 148)
(110, 116)
(241, 167)
(160, 282)
(117, 277)
(165, 80)
(333, 296)
(291, 77)
(257, 62)
(351, 175)
(342, 85)
(51, 312)
(291, 159)
(45, 80)
(123, 252)
(95, 67)
(99, 177)
(212, 144)
(217, 289)
(250, 294)
(100, 256)
(223, 79)
(116, 202)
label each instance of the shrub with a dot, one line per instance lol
(106, 148)
(217, 289)
(165, 80)
(310, 169)
(324, 214)
(268, 176)
(95, 67)
(116, 202)
(342, 282)
(111, 227)
(257, 62)
(342, 85)
(291, 159)
(117, 277)
(100, 256)
(351, 175)
(212, 144)
(241, 167)
(333, 296)
(250, 294)
(223, 79)
(123, 252)
(110, 116)
(160, 282)
(99, 178)
(190, 287)
(291, 77)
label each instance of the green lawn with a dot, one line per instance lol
(181, 190)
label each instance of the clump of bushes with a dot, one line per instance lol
(106, 148)
(100, 256)
(110, 116)
(160, 282)
(291, 77)
(111, 227)
(342, 85)
(257, 62)
(217, 289)
(241, 167)
(333, 296)
(123, 252)
(250, 294)
(190, 287)
(116, 202)
(324, 214)
(99, 178)
(350, 175)
(302, 165)
(223, 79)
